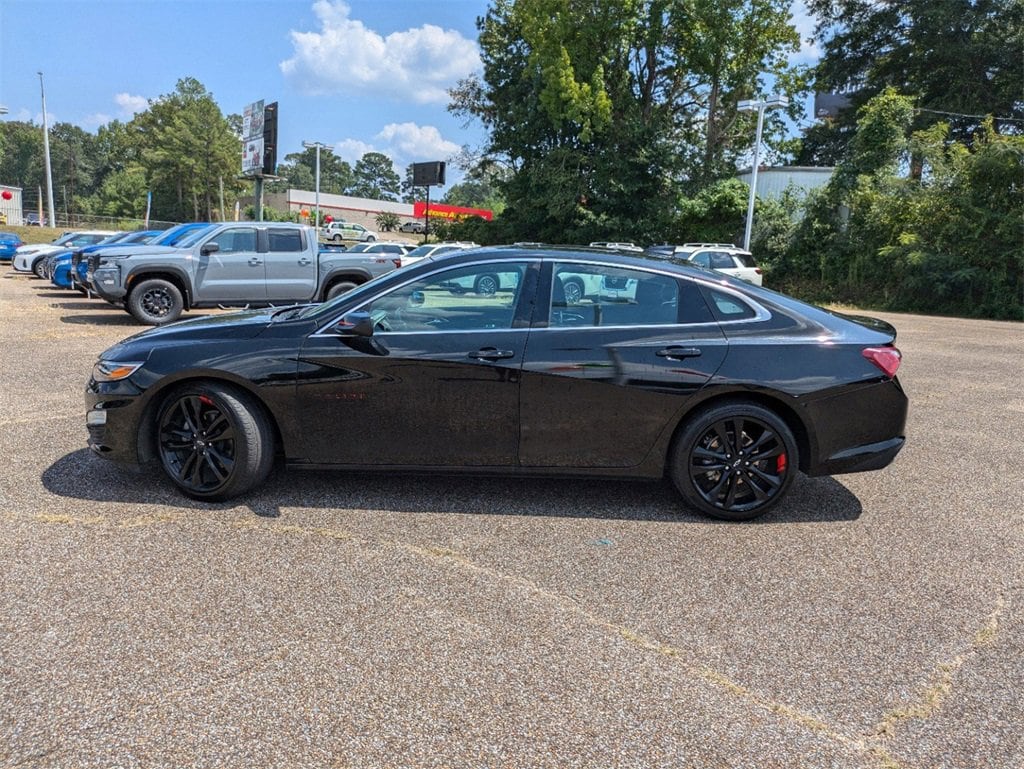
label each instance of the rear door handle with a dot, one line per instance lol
(491, 353)
(675, 352)
(255, 261)
(304, 261)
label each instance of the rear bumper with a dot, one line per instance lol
(860, 459)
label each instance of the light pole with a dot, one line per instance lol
(46, 151)
(317, 146)
(758, 106)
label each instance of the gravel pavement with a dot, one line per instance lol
(343, 620)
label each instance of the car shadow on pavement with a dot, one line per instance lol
(82, 475)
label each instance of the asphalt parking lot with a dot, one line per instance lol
(377, 621)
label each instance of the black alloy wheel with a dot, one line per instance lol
(734, 461)
(155, 302)
(214, 442)
(487, 285)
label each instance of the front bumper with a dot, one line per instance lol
(106, 281)
(114, 412)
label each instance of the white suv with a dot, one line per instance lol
(723, 257)
(435, 249)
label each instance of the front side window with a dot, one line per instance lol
(235, 240)
(605, 295)
(472, 298)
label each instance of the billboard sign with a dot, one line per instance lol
(252, 156)
(252, 120)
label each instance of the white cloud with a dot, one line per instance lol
(411, 142)
(809, 51)
(419, 64)
(404, 143)
(130, 104)
(96, 120)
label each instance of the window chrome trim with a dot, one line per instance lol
(761, 313)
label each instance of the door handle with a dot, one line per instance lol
(491, 353)
(255, 261)
(675, 352)
(304, 261)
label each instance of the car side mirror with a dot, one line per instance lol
(356, 323)
(209, 248)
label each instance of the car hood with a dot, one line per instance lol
(38, 248)
(234, 325)
(134, 249)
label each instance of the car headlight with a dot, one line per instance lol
(114, 371)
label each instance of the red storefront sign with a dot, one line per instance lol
(441, 211)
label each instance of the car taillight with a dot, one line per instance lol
(886, 358)
(758, 271)
(398, 263)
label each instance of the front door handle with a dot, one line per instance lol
(255, 261)
(675, 352)
(304, 261)
(491, 353)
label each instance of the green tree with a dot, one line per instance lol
(954, 56)
(299, 169)
(604, 110)
(387, 221)
(375, 177)
(411, 193)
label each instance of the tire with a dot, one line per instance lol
(734, 461)
(340, 288)
(155, 302)
(39, 268)
(487, 285)
(214, 441)
(370, 239)
(573, 291)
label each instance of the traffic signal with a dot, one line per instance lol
(270, 139)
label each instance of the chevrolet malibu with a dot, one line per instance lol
(726, 388)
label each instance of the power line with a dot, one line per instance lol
(980, 117)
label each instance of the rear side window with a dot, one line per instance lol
(728, 307)
(284, 240)
(721, 261)
(746, 260)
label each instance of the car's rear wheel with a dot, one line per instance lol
(155, 302)
(734, 461)
(214, 442)
(370, 238)
(487, 285)
(573, 291)
(340, 288)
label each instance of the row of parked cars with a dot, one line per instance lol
(157, 275)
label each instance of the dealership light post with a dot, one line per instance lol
(317, 146)
(758, 106)
(46, 151)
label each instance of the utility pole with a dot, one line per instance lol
(758, 106)
(46, 151)
(317, 146)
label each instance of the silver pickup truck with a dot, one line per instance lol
(236, 264)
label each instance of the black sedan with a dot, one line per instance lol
(644, 369)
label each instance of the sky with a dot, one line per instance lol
(356, 75)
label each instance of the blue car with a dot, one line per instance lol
(59, 262)
(9, 243)
(170, 237)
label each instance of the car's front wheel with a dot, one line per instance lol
(39, 267)
(734, 461)
(155, 302)
(214, 441)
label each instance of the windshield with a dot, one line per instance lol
(65, 238)
(358, 249)
(192, 238)
(421, 251)
(326, 308)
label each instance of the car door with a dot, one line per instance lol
(291, 269)
(437, 383)
(606, 373)
(233, 271)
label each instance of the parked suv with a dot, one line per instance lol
(723, 257)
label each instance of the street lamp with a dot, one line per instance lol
(317, 146)
(758, 106)
(46, 151)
